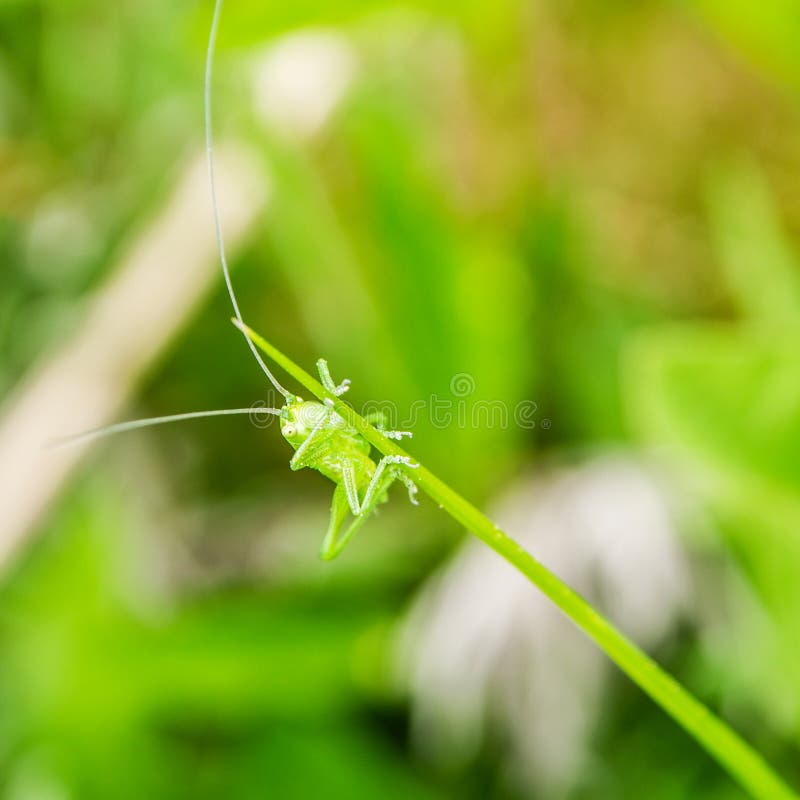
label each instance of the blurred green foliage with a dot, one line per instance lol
(728, 395)
(590, 205)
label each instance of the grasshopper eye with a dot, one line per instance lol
(288, 430)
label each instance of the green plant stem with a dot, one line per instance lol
(729, 749)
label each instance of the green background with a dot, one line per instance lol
(591, 205)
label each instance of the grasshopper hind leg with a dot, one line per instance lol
(345, 499)
(335, 540)
(386, 473)
(332, 544)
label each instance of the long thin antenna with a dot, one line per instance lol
(212, 41)
(121, 427)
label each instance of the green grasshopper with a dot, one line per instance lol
(321, 438)
(323, 441)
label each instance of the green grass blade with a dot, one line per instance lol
(728, 748)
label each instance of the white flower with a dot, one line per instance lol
(299, 80)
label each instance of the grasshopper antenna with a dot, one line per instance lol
(121, 427)
(212, 41)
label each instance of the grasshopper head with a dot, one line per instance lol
(299, 417)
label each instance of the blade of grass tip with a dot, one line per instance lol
(740, 760)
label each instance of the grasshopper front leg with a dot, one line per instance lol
(312, 448)
(327, 381)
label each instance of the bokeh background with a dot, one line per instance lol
(590, 206)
